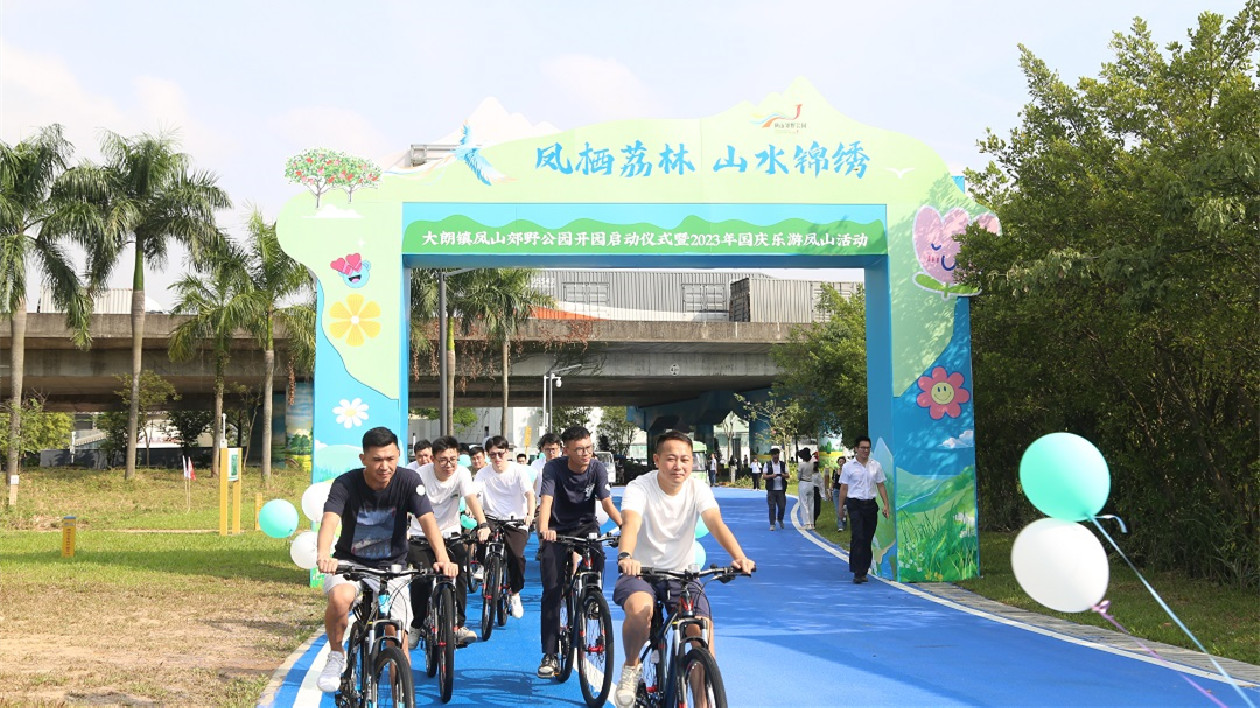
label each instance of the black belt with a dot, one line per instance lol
(860, 499)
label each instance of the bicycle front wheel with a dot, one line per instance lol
(446, 642)
(568, 636)
(505, 593)
(354, 678)
(489, 596)
(595, 648)
(700, 681)
(394, 686)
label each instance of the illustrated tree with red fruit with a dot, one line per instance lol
(317, 169)
(358, 173)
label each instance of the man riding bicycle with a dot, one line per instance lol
(570, 487)
(445, 483)
(660, 510)
(371, 504)
(508, 494)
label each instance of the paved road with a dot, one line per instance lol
(799, 633)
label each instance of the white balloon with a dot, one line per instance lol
(1060, 564)
(600, 515)
(302, 550)
(313, 500)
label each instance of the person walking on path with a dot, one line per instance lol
(775, 476)
(754, 471)
(860, 478)
(571, 486)
(713, 470)
(833, 478)
(806, 481)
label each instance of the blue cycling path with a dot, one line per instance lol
(800, 633)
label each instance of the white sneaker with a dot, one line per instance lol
(330, 678)
(464, 636)
(413, 638)
(479, 575)
(628, 686)
(515, 607)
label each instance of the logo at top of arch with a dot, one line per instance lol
(782, 120)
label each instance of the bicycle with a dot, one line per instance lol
(670, 669)
(437, 632)
(389, 682)
(496, 590)
(586, 631)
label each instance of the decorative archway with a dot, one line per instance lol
(789, 182)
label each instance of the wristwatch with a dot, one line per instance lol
(622, 556)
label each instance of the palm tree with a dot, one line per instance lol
(273, 277)
(33, 221)
(500, 298)
(148, 195)
(220, 304)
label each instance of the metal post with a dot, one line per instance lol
(543, 413)
(443, 374)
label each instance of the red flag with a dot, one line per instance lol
(189, 472)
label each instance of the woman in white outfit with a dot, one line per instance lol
(807, 480)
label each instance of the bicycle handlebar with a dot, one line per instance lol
(515, 523)
(355, 571)
(610, 538)
(722, 574)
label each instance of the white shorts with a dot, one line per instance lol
(399, 591)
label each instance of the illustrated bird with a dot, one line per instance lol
(471, 155)
(900, 172)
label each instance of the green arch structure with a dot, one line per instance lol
(789, 182)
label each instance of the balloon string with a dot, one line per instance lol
(1229, 679)
(1117, 519)
(1102, 607)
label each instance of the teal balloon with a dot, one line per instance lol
(468, 522)
(1065, 477)
(701, 557)
(278, 518)
(701, 529)
(465, 461)
(463, 505)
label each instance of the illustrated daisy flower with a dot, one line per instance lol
(941, 394)
(354, 319)
(351, 413)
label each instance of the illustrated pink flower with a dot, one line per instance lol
(942, 395)
(935, 243)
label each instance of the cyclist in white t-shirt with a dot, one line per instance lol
(659, 514)
(445, 484)
(508, 494)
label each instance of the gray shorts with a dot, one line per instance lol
(627, 585)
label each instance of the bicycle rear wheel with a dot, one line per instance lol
(700, 681)
(568, 636)
(394, 685)
(446, 641)
(489, 596)
(595, 648)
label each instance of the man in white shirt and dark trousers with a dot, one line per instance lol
(660, 511)
(445, 484)
(859, 480)
(774, 474)
(508, 494)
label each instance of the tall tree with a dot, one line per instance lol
(218, 302)
(274, 278)
(34, 221)
(1122, 300)
(497, 300)
(824, 367)
(148, 195)
(620, 431)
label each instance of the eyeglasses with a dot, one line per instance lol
(864, 447)
(498, 454)
(584, 450)
(447, 461)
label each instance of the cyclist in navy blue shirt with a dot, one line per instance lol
(571, 484)
(371, 504)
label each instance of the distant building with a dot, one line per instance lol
(110, 301)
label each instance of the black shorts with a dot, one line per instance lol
(627, 585)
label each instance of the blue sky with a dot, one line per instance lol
(250, 83)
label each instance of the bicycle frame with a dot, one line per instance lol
(372, 622)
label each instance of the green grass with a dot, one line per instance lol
(175, 618)
(1225, 619)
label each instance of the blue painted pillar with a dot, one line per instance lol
(759, 432)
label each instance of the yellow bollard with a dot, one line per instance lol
(258, 512)
(69, 529)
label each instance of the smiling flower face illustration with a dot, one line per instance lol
(942, 395)
(351, 413)
(353, 269)
(354, 320)
(936, 246)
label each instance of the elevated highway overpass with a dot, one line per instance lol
(643, 363)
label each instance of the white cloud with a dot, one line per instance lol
(39, 90)
(606, 86)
